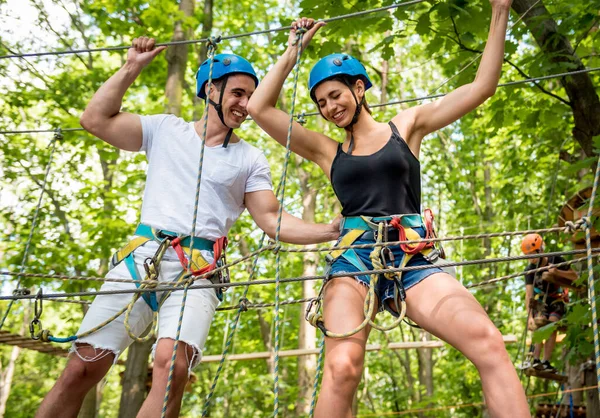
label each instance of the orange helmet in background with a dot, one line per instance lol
(532, 243)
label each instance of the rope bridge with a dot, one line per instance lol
(186, 283)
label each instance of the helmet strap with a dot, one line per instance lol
(359, 106)
(219, 108)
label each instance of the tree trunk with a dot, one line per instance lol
(306, 338)
(207, 25)
(89, 406)
(580, 89)
(6, 379)
(591, 396)
(385, 68)
(426, 368)
(177, 56)
(135, 378)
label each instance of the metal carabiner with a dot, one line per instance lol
(315, 302)
(387, 254)
(35, 329)
(38, 307)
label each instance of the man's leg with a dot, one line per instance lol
(153, 404)
(84, 369)
(550, 342)
(199, 311)
(95, 353)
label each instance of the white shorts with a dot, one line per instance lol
(198, 314)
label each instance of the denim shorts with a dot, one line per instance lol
(385, 287)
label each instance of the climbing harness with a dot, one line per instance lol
(182, 246)
(382, 230)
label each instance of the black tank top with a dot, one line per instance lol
(385, 183)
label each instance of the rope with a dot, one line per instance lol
(212, 43)
(570, 227)
(160, 288)
(591, 290)
(174, 355)
(57, 136)
(202, 40)
(282, 182)
(466, 405)
(313, 398)
(246, 305)
(391, 103)
(242, 306)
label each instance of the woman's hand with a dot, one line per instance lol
(304, 23)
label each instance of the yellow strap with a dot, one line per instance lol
(348, 239)
(198, 261)
(130, 247)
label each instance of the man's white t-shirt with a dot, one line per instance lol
(172, 147)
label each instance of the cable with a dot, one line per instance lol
(202, 40)
(394, 102)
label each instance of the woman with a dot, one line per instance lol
(376, 172)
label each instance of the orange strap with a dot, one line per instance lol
(418, 247)
(219, 246)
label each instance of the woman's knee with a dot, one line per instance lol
(486, 346)
(345, 368)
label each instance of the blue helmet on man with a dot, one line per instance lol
(335, 65)
(224, 65)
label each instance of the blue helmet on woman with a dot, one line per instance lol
(336, 65)
(224, 65)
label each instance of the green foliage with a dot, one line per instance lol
(509, 165)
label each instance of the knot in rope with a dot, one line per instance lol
(573, 226)
(585, 222)
(58, 134)
(213, 41)
(44, 336)
(314, 318)
(301, 118)
(244, 304)
(21, 292)
(276, 248)
(150, 283)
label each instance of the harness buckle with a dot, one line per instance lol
(433, 255)
(384, 232)
(223, 275)
(152, 264)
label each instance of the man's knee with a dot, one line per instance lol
(187, 357)
(86, 367)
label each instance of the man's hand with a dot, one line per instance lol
(531, 324)
(335, 226)
(143, 51)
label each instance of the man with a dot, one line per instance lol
(549, 298)
(235, 176)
